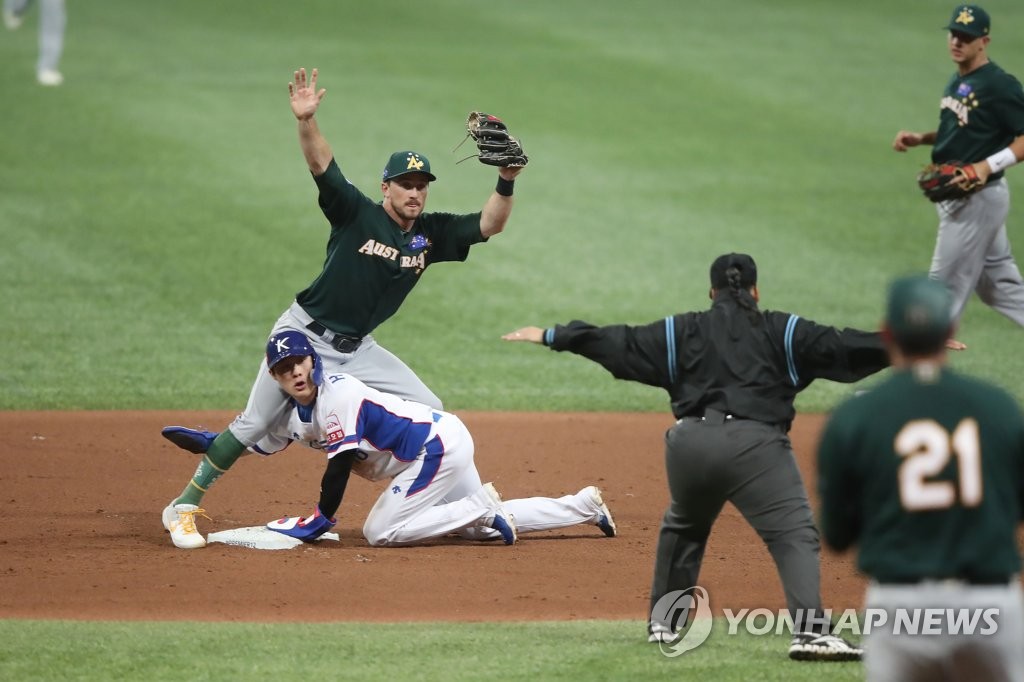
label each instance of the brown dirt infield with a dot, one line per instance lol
(81, 538)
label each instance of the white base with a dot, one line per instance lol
(261, 537)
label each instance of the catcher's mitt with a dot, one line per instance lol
(496, 146)
(949, 180)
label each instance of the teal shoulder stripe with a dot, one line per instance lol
(670, 343)
(790, 364)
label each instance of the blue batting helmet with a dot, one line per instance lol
(291, 343)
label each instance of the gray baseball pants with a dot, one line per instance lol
(972, 252)
(370, 363)
(995, 657)
(52, 20)
(713, 460)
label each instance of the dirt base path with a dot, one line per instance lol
(81, 538)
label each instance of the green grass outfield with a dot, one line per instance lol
(156, 217)
(580, 650)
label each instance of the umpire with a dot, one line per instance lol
(732, 373)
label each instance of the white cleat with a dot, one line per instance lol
(180, 522)
(50, 77)
(12, 21)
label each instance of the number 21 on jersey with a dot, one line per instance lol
(926, 448)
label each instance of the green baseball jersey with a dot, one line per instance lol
(926, 471)
(371, 265)
(979, 114)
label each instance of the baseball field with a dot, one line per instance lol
(156, 216)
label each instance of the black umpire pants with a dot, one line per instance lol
(716, 459)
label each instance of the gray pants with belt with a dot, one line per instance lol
(713, 460)
(945, 652)
(370, 363)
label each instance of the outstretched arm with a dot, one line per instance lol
(646, 354)
(530, 334)
(498, 207)
(905, 139)
(305, 100)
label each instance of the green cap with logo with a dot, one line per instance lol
(403, 163)
(919, 314)
(970, 19)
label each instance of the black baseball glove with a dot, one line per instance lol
(496, 146)
(949, 180)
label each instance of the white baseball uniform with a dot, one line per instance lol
(427, 454)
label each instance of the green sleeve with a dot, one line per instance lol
(451, 235)
(838, 484)
(339, 199)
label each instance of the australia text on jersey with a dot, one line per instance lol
(374, 248)
(961, 107)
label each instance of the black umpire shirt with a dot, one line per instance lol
(746, 363)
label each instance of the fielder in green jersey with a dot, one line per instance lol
(981, 121)
(926, 473)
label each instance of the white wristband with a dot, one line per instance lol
(1002, 160)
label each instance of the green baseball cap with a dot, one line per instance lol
(970, 19)
(403, 163)
(919, 314)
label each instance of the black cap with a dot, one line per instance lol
(740, 261)
(919, 314)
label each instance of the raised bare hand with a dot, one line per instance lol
(304, 96)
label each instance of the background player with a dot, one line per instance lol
(732, 374)
(376, 253)
(981, 119)
(926, 472)
(428, 455)
(52, 21)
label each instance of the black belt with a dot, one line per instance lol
(966, 580)
(717, 418)
(711, 417)
(340, 342)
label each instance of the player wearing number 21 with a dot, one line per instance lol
(926, 473)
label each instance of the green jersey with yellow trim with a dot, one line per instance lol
(371, 264)
(979, 114)
(926, 472)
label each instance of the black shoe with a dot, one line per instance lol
(810, 646)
